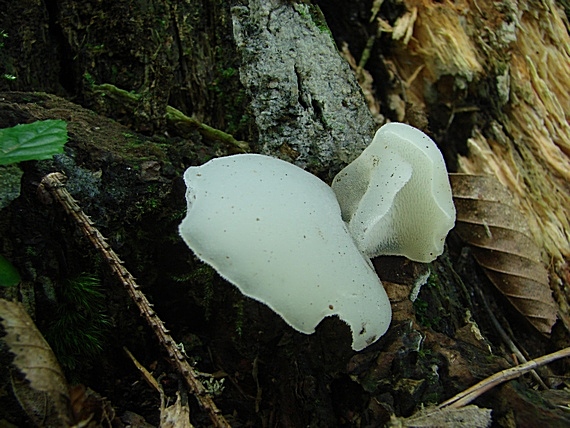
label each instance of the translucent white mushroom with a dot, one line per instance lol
(276, 232)
(396, 196)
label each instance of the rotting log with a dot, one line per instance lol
(498, 73)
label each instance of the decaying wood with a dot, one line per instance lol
(504, 67)
(55, 184)
(303, 97)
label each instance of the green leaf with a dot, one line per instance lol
(9, 276)
(33, 141)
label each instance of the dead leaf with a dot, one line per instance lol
(40, 385)
(502, 245)
(175, 416)
(467, 417)
(90, 410)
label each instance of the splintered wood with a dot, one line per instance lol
(508, 65)
(54, 183)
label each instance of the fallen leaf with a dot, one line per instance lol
(175, 416)
(40, 385)
(467, 417)
(502, 245)
(90, 410)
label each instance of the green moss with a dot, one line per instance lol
(30, 251)
(204, 276)
(3, 36)
(319, 19)
(314, 14)
(433, 280)
(89, 79)
(144, 207)
(233, 100)
(429, 305)
(77, 332)
(3, 59)
(177, 215)
(431, 398)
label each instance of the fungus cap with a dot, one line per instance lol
(396, 196)
(276, 232)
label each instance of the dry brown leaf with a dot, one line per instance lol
(175, 416)
(90, 410)
(467, 417)
(40, 386)
(503, 247)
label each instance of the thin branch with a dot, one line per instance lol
(177, 119)
(55, 184)
(485, 385)
(508, 341)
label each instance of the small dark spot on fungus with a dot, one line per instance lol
(331, 307)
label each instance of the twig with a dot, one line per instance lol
(55, 184)
(145, 373)
(176, 415)
(177, 119)
(485, 385)
(508, 341)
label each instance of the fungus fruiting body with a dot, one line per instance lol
(276, 232)
(286, 239)
(396, 196)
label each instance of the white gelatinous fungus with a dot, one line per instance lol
(396, 196)
(276, 232)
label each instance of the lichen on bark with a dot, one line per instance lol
(305, 100)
